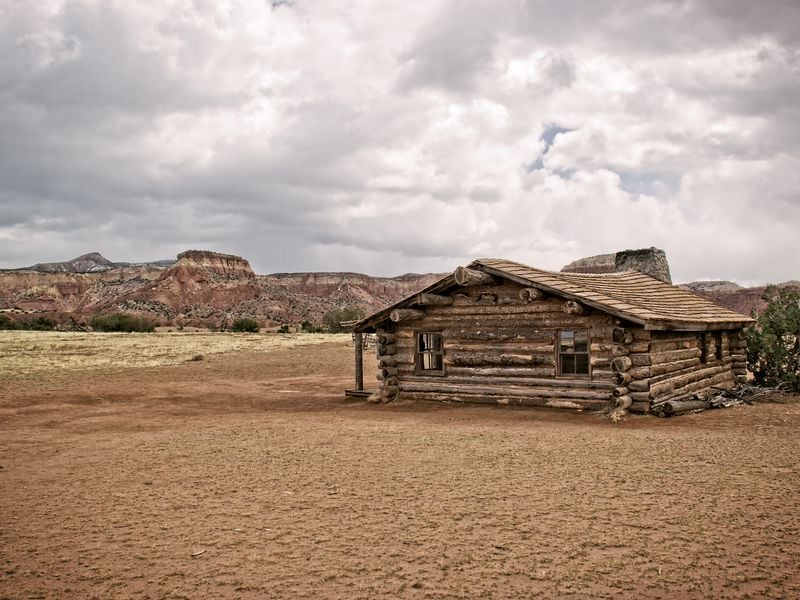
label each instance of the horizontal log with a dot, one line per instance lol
(521, 347)
(389, 372)
(541, 309)
(620, 390)
(466, 277)
(386, 338)
(671, 407)
(602, 374)
(548, 372)
(692, 382)
(571, 307)
(640, 347)
(639, 372)
(640, 360)
(514, 381)
(387, 361)
(663, 370)
(492, 359)
(622, 377)
(433, 300)
(640, 396)
(572, 403)
(621, 363)
(639, 407)
(619, 350)
(640, 334)
(500, 334)
(406, 314)
(623, 402)
(640, 385)
(530, 294)
(620, 335)
(391, 390)
(531, 392)
(673, 355)
(385, 349)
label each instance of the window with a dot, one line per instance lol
(710, 346)
(429, 353)
(573, 352)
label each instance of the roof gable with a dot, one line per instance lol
(629, 295)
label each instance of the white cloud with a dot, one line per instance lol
(388, 137)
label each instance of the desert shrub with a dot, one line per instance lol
(122, 322)
(283, 329)
(773, 342)
(245, 325)
(37, 324)
(332, 320)
(309, 327)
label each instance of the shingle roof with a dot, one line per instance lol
(630, 295)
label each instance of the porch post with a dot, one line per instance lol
(359, 354)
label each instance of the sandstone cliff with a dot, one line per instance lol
(200, 288)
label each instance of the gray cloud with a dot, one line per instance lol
(323, 135)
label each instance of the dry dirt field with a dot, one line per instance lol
(248, 475)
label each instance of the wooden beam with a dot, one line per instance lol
(465, 276)
(529, 294)
(405, 314)
(433, 300)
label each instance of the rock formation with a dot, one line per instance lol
(200, 288)
(650, 261)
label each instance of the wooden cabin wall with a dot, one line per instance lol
(499, 348)
(677, 367)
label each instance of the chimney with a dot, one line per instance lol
(650, 261)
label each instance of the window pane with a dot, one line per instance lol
(567, 340)
(435, 341)
(582, 364)
(568, 363)
(423, 342)
(581, 340)
(436, 361)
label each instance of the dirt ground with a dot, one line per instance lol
(248, 475)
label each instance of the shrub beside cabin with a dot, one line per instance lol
(500, 332)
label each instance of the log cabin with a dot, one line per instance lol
(501, 332)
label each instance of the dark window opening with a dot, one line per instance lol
(429, 352)
(573, 352)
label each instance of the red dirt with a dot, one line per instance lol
(250, 476)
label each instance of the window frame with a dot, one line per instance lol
(418, 354)
(559, 354)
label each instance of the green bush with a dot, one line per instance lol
(332, 320)
(283, 329)
(37, 324)
(245, 325)
(309, 327)
(122, 322)
(773, 342)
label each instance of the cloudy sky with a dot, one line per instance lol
(386, 137)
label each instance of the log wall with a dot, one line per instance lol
(683, 365)
(499, 347)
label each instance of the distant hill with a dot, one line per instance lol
(94, 262)
(199, 288)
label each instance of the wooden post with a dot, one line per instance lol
(359, 342)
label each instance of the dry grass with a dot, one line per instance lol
(32, 354)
